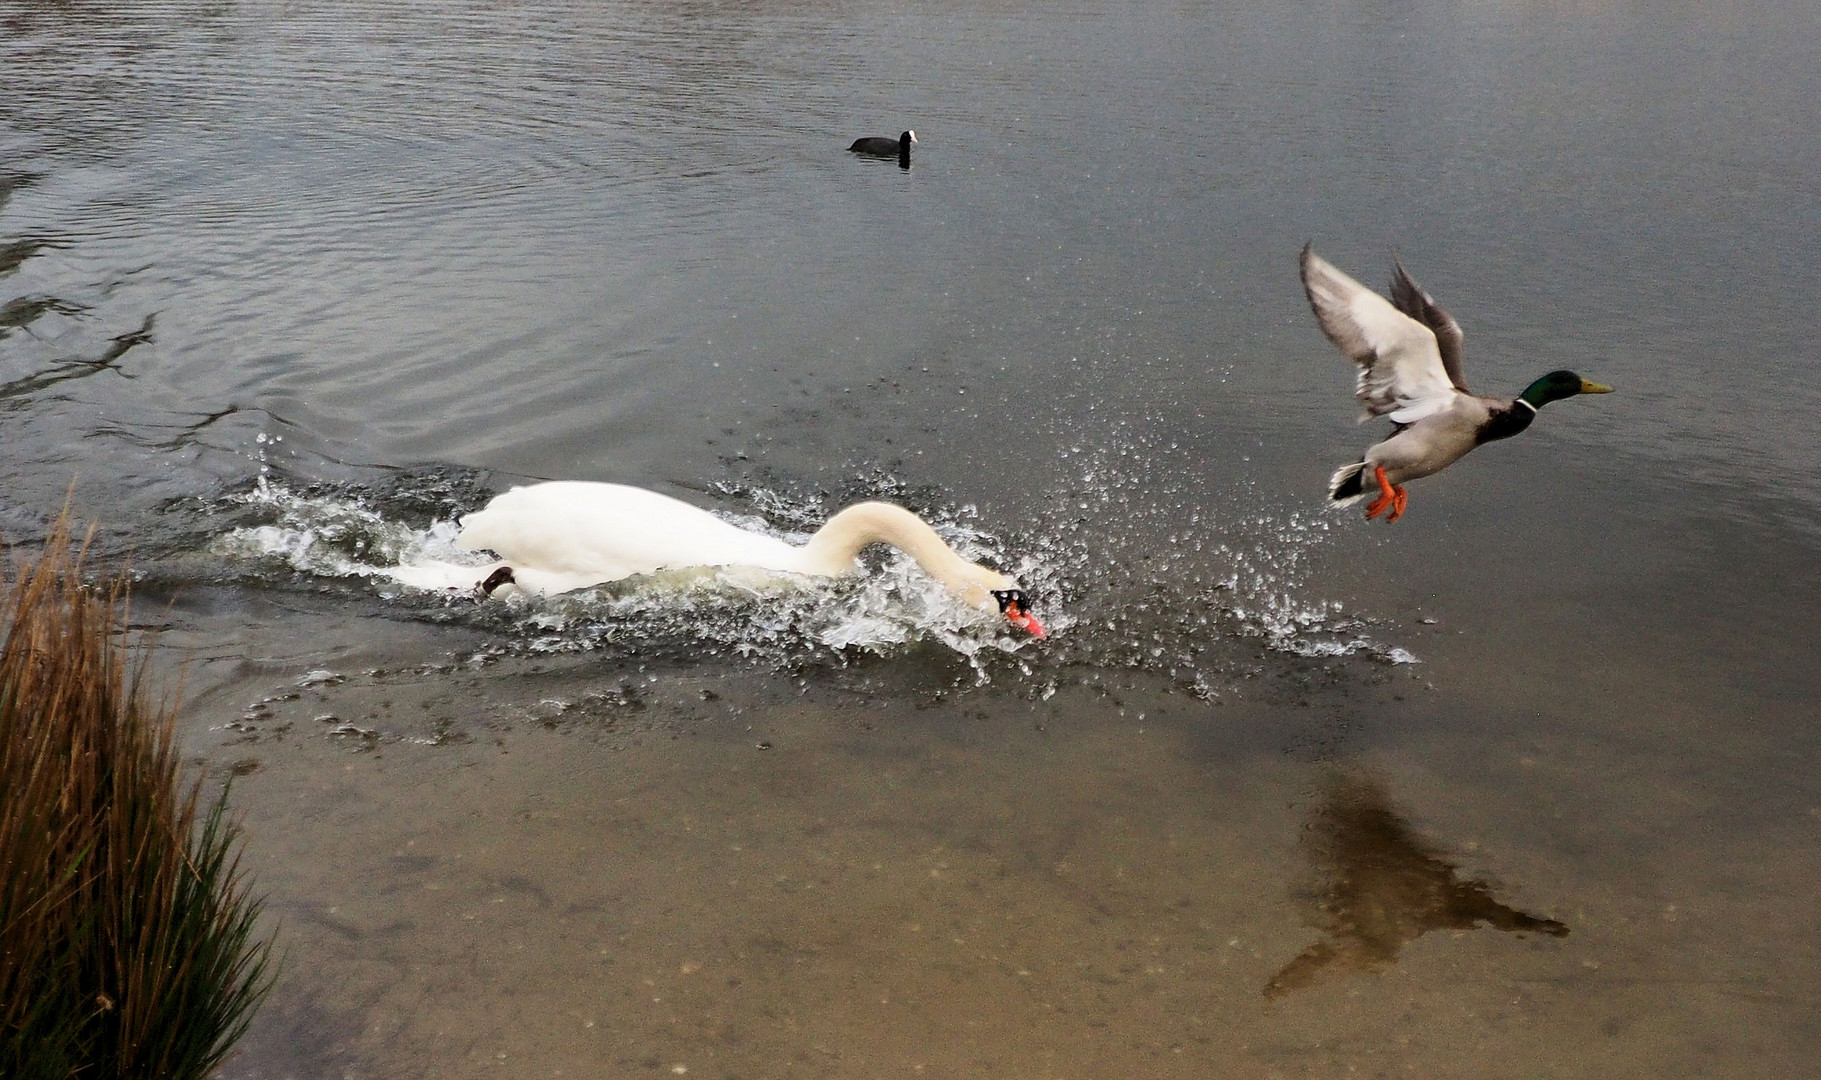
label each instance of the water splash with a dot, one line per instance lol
(333, 536)
(1131, 572)
(1269, 589)
(1173, 583)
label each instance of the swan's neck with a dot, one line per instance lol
(834, 547)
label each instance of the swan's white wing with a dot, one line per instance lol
(446, 578)
(1400, 367)
(438, 576)
(609, 531)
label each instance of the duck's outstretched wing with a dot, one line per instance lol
(1400, 365)
(1411, 299)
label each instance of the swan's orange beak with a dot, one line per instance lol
(1027, 622)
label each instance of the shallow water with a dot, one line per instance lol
(283, 291)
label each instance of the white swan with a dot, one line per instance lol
(569, 534)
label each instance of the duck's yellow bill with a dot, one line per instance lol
(1594, 388)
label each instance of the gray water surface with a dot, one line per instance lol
(285, 289)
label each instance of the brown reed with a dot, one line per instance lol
(127, 932)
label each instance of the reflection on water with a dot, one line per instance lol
(72, 368)
(1386, 887)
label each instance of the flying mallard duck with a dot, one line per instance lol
(1409, 358)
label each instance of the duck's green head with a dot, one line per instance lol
(1558, 385)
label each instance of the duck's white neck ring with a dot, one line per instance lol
(1527, 405)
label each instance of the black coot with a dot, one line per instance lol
(881, 147)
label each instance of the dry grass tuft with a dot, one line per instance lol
(127, 945)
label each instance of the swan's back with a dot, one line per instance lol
(604, 532)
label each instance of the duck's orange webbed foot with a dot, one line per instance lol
(1388, 497)
(1399, 500)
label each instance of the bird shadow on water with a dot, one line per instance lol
(1384, 888)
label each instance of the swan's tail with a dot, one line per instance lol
(1348, 483)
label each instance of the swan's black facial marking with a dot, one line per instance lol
(502, 576)
(1012, 601)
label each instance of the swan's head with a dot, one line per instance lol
(987, 589)
(1016, 607)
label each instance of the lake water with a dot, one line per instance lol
(1523, 785)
